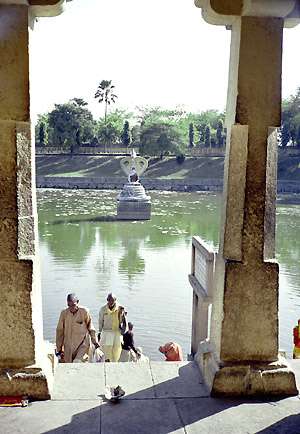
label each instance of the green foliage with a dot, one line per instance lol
(159, 139)
(111, 129)
(291, 120)
(41, 130)
(42, 134)
(219, 134)
(105, 93)
(108, 135)
(70, 123)
(191, 135)
(126, 139)
(182, 120)
(207, 136)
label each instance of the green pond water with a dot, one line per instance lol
(146, 264)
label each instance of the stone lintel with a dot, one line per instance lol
(247, 379)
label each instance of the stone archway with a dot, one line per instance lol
(25, 367)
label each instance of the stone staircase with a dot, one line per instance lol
(161, 398)
(145, 380)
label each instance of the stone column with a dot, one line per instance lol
(241, 357)
(25, 368)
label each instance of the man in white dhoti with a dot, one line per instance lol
(74, 332)
(111, 322)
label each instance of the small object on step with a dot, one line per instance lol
(13, 401)
(114, 394)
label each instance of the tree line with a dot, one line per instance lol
(154, 130)
(290, 129)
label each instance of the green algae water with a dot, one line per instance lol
(146, 264)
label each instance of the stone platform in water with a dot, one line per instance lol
(133, 203)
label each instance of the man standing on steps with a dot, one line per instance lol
(74, 332)
(111, 322)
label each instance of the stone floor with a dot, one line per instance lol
(160, 398)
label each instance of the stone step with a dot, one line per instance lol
(147, 380)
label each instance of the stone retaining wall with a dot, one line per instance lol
(149, 184)
(118, 182)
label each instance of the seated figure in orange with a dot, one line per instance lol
(172, 351)
(296, 333)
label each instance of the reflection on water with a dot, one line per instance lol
(145, 263)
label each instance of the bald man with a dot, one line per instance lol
(74, 332)
(112, 322)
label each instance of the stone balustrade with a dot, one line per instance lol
(201, 279)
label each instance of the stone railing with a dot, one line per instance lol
(201, 279)
(87, 150)
(205, 152)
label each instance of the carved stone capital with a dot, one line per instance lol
(225, 12)
(47, 8)
(40, 8)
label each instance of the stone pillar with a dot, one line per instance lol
(241, 357)
(25, 368)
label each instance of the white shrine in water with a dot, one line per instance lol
(133, 203)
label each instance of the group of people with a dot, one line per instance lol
(75, 333)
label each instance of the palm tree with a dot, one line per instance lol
(105, 93)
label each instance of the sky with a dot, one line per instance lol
(158, 52)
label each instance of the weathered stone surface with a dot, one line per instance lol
(235, 175)
(14, 71)
(29, 382)
(8, 238)
(8, 162)
(16, 315)
(26, 237)
(243, 380)
(8, 195)
(24, 174)
(250, 322)
(245, 303)
(271, 190)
